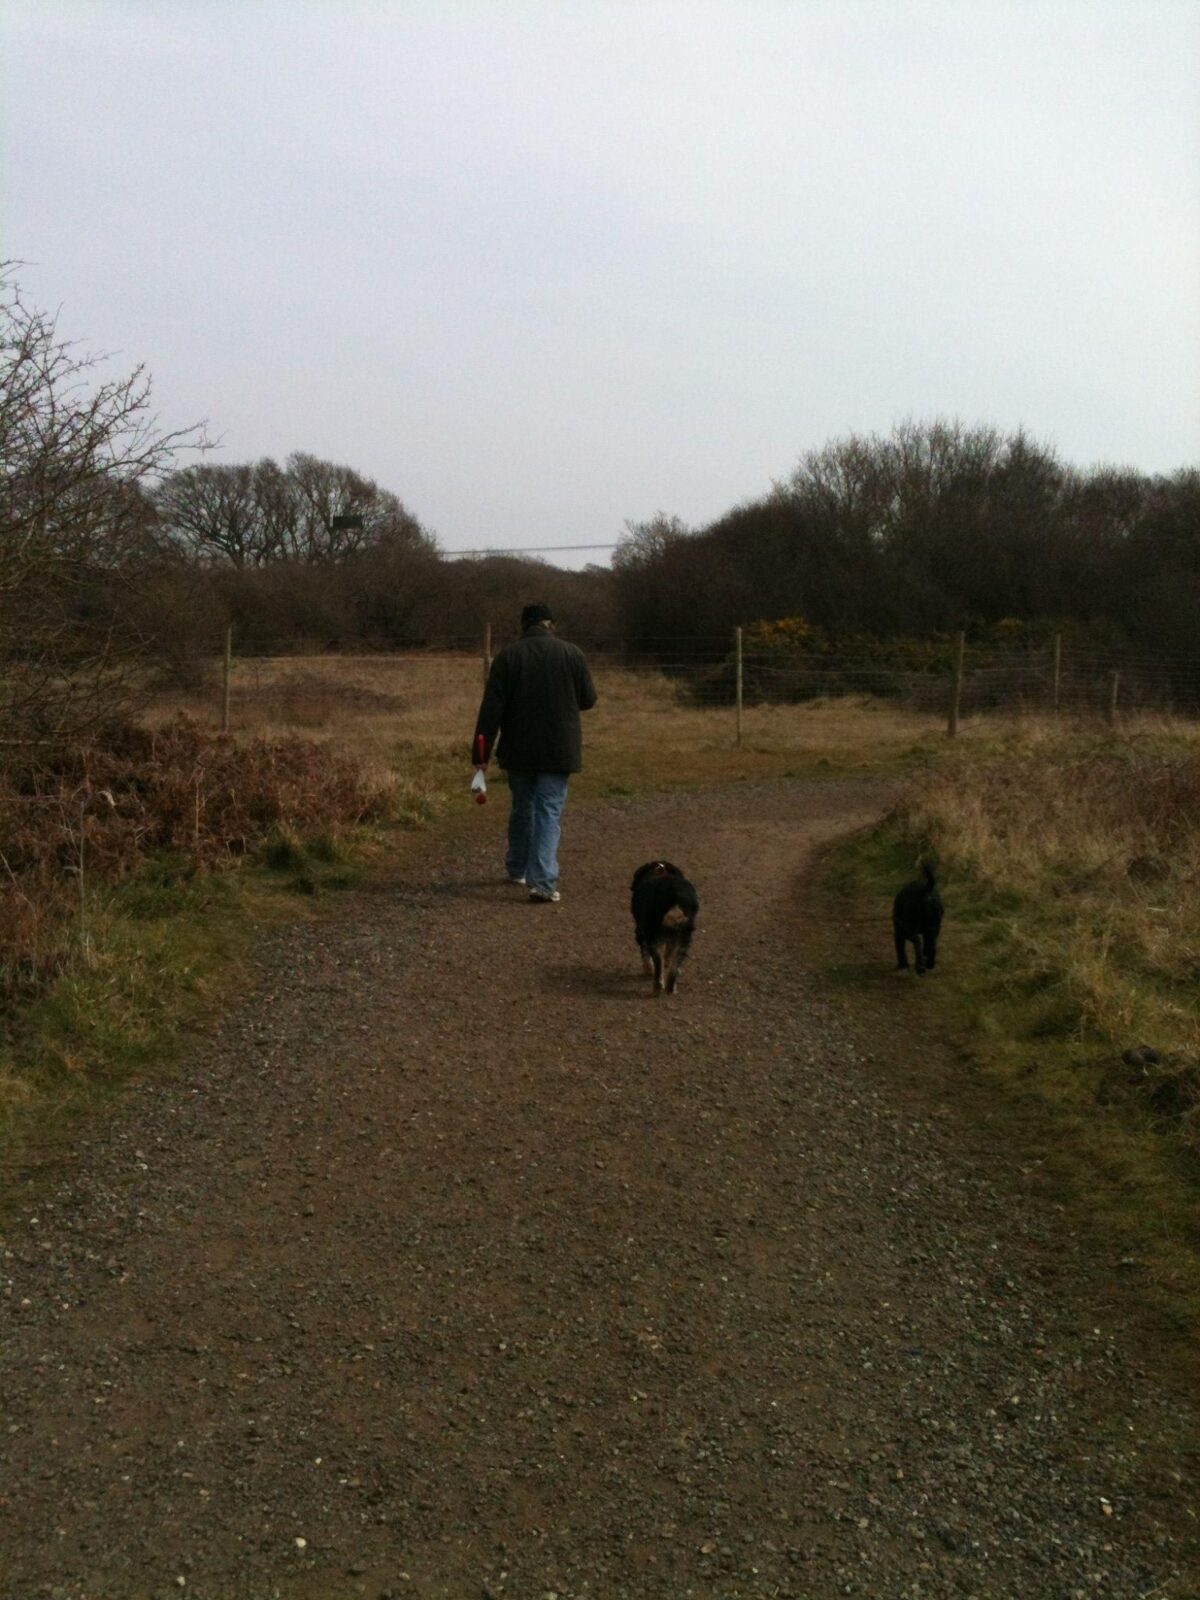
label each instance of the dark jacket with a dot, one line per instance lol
(535, 691)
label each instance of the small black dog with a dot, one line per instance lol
(664, 906)
(917, 920)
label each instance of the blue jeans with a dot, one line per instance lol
(534, 824)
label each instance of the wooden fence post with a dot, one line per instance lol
(1057, 671)
(956, 697)
(1114, 681)
(737, 634)
(226, 672)
(84, 941)
(487, 651)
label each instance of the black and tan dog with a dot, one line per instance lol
(917, 920)
(664, 906)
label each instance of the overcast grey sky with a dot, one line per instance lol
(540, 268)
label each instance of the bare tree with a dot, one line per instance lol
(310, 511)
(646, 542)
(77, 452)
(339, 512)
(226, 513)
(276, 502)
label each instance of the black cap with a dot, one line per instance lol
(535, 613)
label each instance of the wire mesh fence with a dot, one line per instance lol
(1045, 680)
(667, 675)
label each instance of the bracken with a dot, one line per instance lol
(136, 792)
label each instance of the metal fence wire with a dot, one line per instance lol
(738, 673)
(1014, 681)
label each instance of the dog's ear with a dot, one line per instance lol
(641, 873)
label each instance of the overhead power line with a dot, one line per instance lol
(527, 549)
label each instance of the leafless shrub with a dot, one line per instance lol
(77, 533)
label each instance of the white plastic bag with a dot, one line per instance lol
(479, 786)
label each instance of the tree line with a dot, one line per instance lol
(314, 555)
(115, 556)
(932, 528)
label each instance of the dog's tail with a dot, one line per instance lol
(927, 874)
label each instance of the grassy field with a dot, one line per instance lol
(1070, 857)
(413, 717)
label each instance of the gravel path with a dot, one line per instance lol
(456, 1265)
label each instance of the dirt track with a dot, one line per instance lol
(462, 1260)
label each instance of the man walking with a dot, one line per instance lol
(535, 691)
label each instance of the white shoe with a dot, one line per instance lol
(520, 882)
(545, 896)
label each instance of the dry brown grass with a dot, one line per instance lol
(97, 812)
(1091, 851)
(413, 715)
(1070, 863)
(98, 969)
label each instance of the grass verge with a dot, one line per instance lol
(165, 949)
(1072, 941)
